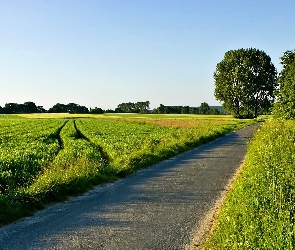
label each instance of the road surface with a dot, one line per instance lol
(161, 207)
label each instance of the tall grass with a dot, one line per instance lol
(259, 211)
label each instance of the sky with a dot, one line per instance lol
(100, 53)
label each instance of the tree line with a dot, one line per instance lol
(130, 107)
(27, 107)
(72, 108)
(204, 109)
(31, 107)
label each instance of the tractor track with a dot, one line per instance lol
(104, 155)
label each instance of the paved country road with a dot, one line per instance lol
(161, 207)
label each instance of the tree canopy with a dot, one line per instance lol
(27, 107)
(96, 110)
(203, 109)
(68, 108)
(245, 81)
(285, 104)
(130, 107)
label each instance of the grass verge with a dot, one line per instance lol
(259, 211)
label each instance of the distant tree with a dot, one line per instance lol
(213, 111)
(96, 111)
(110, 111)
(185, 110)
(285, 104)
(155, 111)
(161, 109)
(74, 108)
(176, 109)
(193, 110)
(12, 108)
(40, 109)
(245, 81)
(15, 108)
(204, 108)
(69, 108)
(130, 107)
(126, 108)
(142, 107)
(58, 108)
(29, 107)
(167, 110)
(83, 110)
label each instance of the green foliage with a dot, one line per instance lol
(204, 109)
(26, 146)
(71, 108)
(213, 111)
(285, 105)
(130, 107)
(27, 107)
(259, 211)
(245, 81)
(287, 58)
(96, 111)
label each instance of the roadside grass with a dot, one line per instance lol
(104, 154)
(259, 211)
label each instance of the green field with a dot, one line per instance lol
(259, 211)
(48, 157)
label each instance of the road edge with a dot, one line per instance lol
(208, 224)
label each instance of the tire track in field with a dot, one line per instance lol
(57, 136)
(104, 155)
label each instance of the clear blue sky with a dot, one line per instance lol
(105, 52)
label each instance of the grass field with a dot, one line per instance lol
(48, 157)
(259, 211)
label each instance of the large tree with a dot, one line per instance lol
(285, 104)
(245, 81)
(204, 108)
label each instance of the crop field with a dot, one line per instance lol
(48, 158)
(259, 211)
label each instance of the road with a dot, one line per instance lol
(161, 207)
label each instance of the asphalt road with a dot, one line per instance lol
(161, 207)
